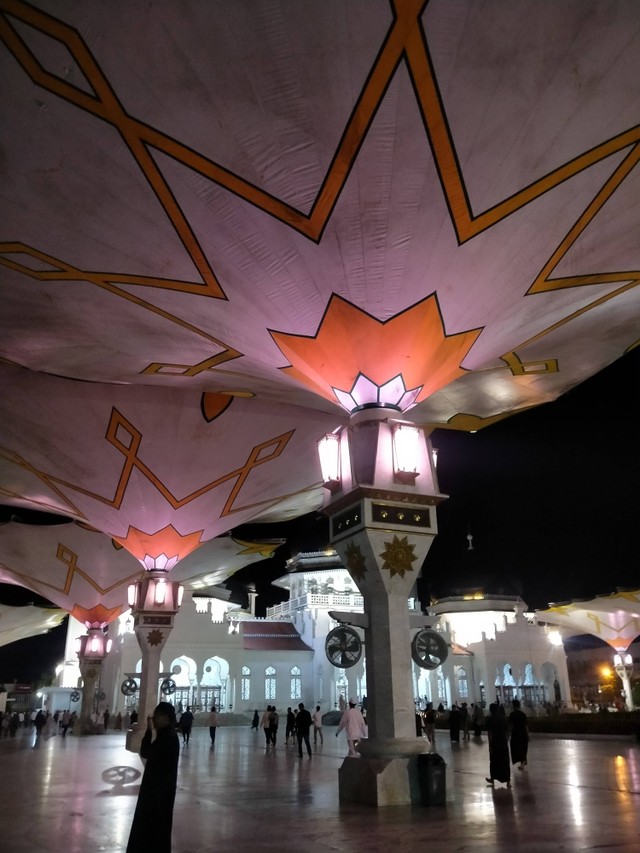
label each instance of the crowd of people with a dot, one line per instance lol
(298, 724)
(42, 722)
(507, 734)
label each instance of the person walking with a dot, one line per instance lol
(264, 724)
(498, 735)
(186, 724)
(519, 741)
(274, 721)
(303, 724)
(153, 818)
(255, 723)
(464, 719)
(317, 726)
(477, 718)
(290, 730)
(454, 723)
(65, 722)
(213, 724)
(354, 725)
(430, 724)
(40, 722)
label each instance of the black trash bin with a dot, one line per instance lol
(433, 779)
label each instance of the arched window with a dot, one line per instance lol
(342, 686)
(442, 687)
(270, 684)
(463, 682)
(529, 677)
(296, 683)
(508, 680)
(245, 684)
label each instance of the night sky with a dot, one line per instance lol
(550, 497)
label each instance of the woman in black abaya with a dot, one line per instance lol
(153, 818)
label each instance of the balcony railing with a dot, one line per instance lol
(352, 601)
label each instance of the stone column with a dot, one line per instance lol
(152, 632)
(90, 671)
(382, 526)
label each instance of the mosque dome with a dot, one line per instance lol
(471, 573)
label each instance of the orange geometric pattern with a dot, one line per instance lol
(349, 341)
(95, 615)
(166, 541)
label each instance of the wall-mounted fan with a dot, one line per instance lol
(75, 696)
(343, 647)
(429, 649)
(128, 687)
(168, 686)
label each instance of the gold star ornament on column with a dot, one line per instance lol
(398, 556)
(355, 561)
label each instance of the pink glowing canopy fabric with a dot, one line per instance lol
(227, 223)
(613, 618)
(18, 623)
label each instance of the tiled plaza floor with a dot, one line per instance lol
(78, 796)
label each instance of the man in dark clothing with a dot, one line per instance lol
(519, 742)
(39, 723)
(153, 818)
(498, 734)
(186, 723)
(291, 726)
(303, 724)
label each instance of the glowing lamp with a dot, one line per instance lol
(155, 593)
(405, 452)
(161, 591)
(93, 646)
(329, 452)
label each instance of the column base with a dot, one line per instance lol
(386, 774)
(88, 727)
(134, 738)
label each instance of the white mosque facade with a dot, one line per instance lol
(219, 653)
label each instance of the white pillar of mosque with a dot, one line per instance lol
(92, 648)
(382, 522)
(623, 665)
(90, 672)
(154, 601)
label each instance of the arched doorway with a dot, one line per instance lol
(214, 684)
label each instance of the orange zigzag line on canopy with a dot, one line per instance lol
(405, 41)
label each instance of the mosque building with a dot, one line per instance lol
(222, 654)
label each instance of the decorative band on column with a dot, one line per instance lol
(401, 515)
(153, 619)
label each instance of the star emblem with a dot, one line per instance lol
(355, 561)
(155, 637)
(398, 556)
